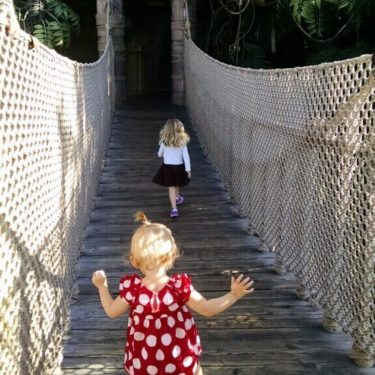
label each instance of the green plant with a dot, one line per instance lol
(325, 20)
(51, 21)
(285, 33)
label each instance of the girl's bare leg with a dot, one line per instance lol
(199, 371)
(177, 190)
(172, 196)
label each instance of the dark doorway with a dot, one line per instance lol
(148, 47)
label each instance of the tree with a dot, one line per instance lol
(282, 33)
(51, 21)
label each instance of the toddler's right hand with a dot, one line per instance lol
(241, 287)
(99, 278)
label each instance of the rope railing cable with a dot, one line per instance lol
(55, 117)
(295, 148)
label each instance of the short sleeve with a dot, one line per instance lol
(128, 288)
(183, 287)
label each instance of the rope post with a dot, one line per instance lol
(263, 247)
(361, 357)
(279, 267)
(301, 292)
(251, 229)
(330, 324)
(110, 22)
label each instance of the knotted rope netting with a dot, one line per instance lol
(55, 117)
(296, 149)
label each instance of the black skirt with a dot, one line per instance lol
(171, 175)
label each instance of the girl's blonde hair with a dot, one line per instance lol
(152, 245)
(173, 134)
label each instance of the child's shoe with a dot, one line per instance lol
(174, 213)
(179, 199)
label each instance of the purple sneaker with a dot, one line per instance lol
(179, 199)
(174, 213)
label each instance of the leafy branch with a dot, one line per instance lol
(51, 21)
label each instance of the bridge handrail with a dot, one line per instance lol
(296, 149)
(55, 117)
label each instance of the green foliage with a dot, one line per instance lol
(324, 20)
(286, 33)
(51, 21)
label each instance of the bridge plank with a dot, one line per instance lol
(269, 333)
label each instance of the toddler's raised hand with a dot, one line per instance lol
(99, 278)
(241, 287)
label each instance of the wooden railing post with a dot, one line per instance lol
(177, 36)
(116, 30)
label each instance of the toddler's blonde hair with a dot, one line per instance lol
(152, 245)
(173, 134)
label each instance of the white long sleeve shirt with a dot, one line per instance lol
(175, 156)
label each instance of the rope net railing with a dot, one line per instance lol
(296, 149)
(55, 117)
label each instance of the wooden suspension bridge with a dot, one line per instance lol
(271, 332)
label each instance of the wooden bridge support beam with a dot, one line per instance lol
(178, 23)
(177, 35)
(116, 29)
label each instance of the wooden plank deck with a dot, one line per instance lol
(271, 332)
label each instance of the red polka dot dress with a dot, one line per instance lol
(162, 337)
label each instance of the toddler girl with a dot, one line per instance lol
(162, 337)
(175, 171)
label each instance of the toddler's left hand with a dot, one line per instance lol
(240, 286)
(99, 278)
(189, 174)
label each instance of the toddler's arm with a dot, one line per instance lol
(113, 308)
(239, 288)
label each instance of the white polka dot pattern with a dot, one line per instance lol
(166, 339)
(152, 370)
(180, 333)
(170, 368)
(160, 355)
(176, 351)
(152, 336)
(139, 336)
(136, 363)
(188, 361)
(144, 354)
(144, 299)
(151, 341)
(173, 307)
(188, 324)
(139, 309)
(168, 299)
